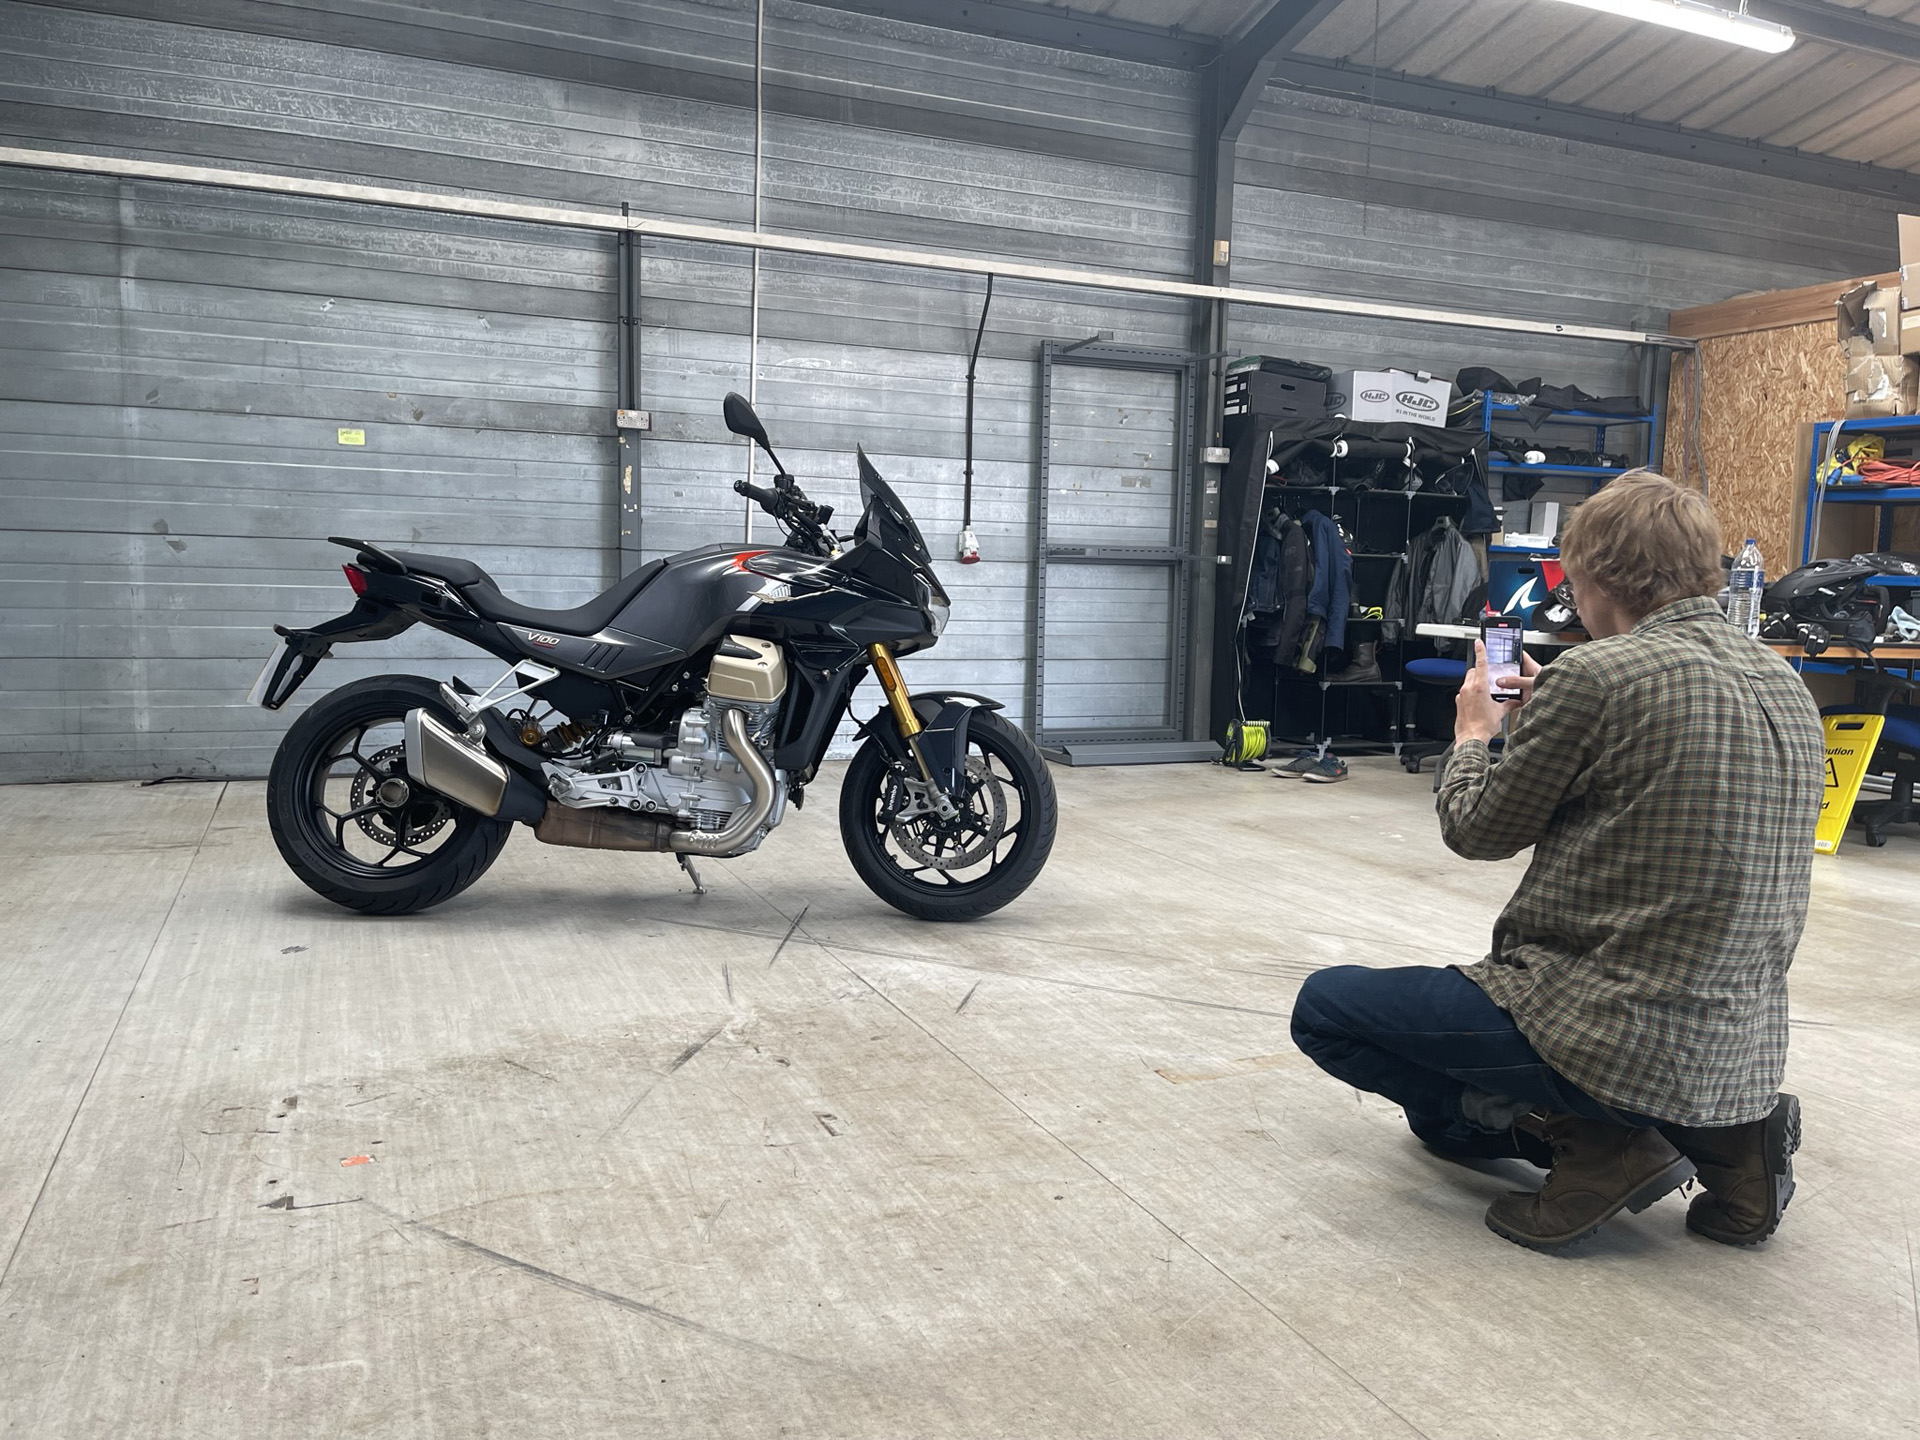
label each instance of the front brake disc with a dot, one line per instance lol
(966, 840)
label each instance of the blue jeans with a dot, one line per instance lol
(1423, 1036)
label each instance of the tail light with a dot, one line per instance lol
(357, 578)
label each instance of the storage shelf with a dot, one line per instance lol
(1886, 498)
(1546, 552)
(1842, 667)
(1885, 422)
(1574, 417)
(1518, 467)
(1872, 494)
(1368, 490)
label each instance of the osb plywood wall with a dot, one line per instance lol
(1759, 392)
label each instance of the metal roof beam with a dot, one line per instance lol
(1397, 91)
(1247, 57)
(1843, 26)
(1051, 25)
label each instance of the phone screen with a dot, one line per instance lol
(1502, 639)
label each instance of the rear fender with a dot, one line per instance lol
(370, 619)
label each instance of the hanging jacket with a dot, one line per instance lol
(1435, 584)
(1327, 601)
(1452, 578)
(1263, 584)
(1282, 551)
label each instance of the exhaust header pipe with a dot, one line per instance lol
(448, 763)
(724, 842)
(443, 761)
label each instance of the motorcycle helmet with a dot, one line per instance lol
(1826, 603)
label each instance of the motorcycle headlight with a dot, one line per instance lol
(936, 608)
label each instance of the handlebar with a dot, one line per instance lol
(804, 521)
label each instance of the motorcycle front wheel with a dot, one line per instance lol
(352, 824)
(957, 869)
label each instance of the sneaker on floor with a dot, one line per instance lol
(1300, 764)
(1329, 769)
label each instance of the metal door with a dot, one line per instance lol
(1111, 571)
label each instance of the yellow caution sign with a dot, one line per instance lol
(1850, 743)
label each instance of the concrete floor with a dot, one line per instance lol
(644, 1163)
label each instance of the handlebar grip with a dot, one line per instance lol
(765, 497)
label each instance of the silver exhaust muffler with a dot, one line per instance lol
(601, 829)
(453, 766)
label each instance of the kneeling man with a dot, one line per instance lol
(1629, 1025)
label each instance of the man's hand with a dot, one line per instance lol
(1477, 715)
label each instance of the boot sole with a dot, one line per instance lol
(1782, 1142)
(1658, 1186)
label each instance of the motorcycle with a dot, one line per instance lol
(682, 711)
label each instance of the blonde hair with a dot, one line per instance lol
(1646, 542)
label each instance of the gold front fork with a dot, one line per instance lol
(891, 681)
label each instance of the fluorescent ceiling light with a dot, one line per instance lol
(1735, 26)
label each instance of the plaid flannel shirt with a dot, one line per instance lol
(1669, 780)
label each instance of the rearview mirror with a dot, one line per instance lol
(742, 421)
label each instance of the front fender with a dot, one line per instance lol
(945, 715)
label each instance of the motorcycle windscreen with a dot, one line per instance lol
(884, 521)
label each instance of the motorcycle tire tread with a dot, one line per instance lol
(466, 859)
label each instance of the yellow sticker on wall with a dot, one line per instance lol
(352, 437)
(1850, 743)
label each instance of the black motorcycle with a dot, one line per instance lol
(682, 711)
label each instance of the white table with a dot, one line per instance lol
(1472, 632)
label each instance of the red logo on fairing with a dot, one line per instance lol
(738, 565)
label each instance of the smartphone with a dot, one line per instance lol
(1502, 635)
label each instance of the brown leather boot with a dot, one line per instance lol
(1598, 1171)
(1747, 1172)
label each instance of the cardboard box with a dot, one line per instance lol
(1909, 262)
(1878, 314)
(1910, 332)
(1412, 398)
(1879, 386)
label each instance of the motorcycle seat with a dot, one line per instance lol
(480, 591)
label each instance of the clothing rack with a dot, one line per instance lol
(1383, 524)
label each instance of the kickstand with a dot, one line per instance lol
(686, 864)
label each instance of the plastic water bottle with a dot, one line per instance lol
(1744, 585)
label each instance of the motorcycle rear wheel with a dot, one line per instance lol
(961, 870)
(350, 822)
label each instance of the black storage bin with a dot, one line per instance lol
(1278, 387)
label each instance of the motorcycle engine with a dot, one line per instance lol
(695, 779)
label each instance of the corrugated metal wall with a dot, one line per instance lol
(178, 366)
(1335, 197)
(179, 362)
(486, 388)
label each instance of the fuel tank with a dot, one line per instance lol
(684, 608)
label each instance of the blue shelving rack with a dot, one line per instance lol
(1889, 498)
(1600, 424)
